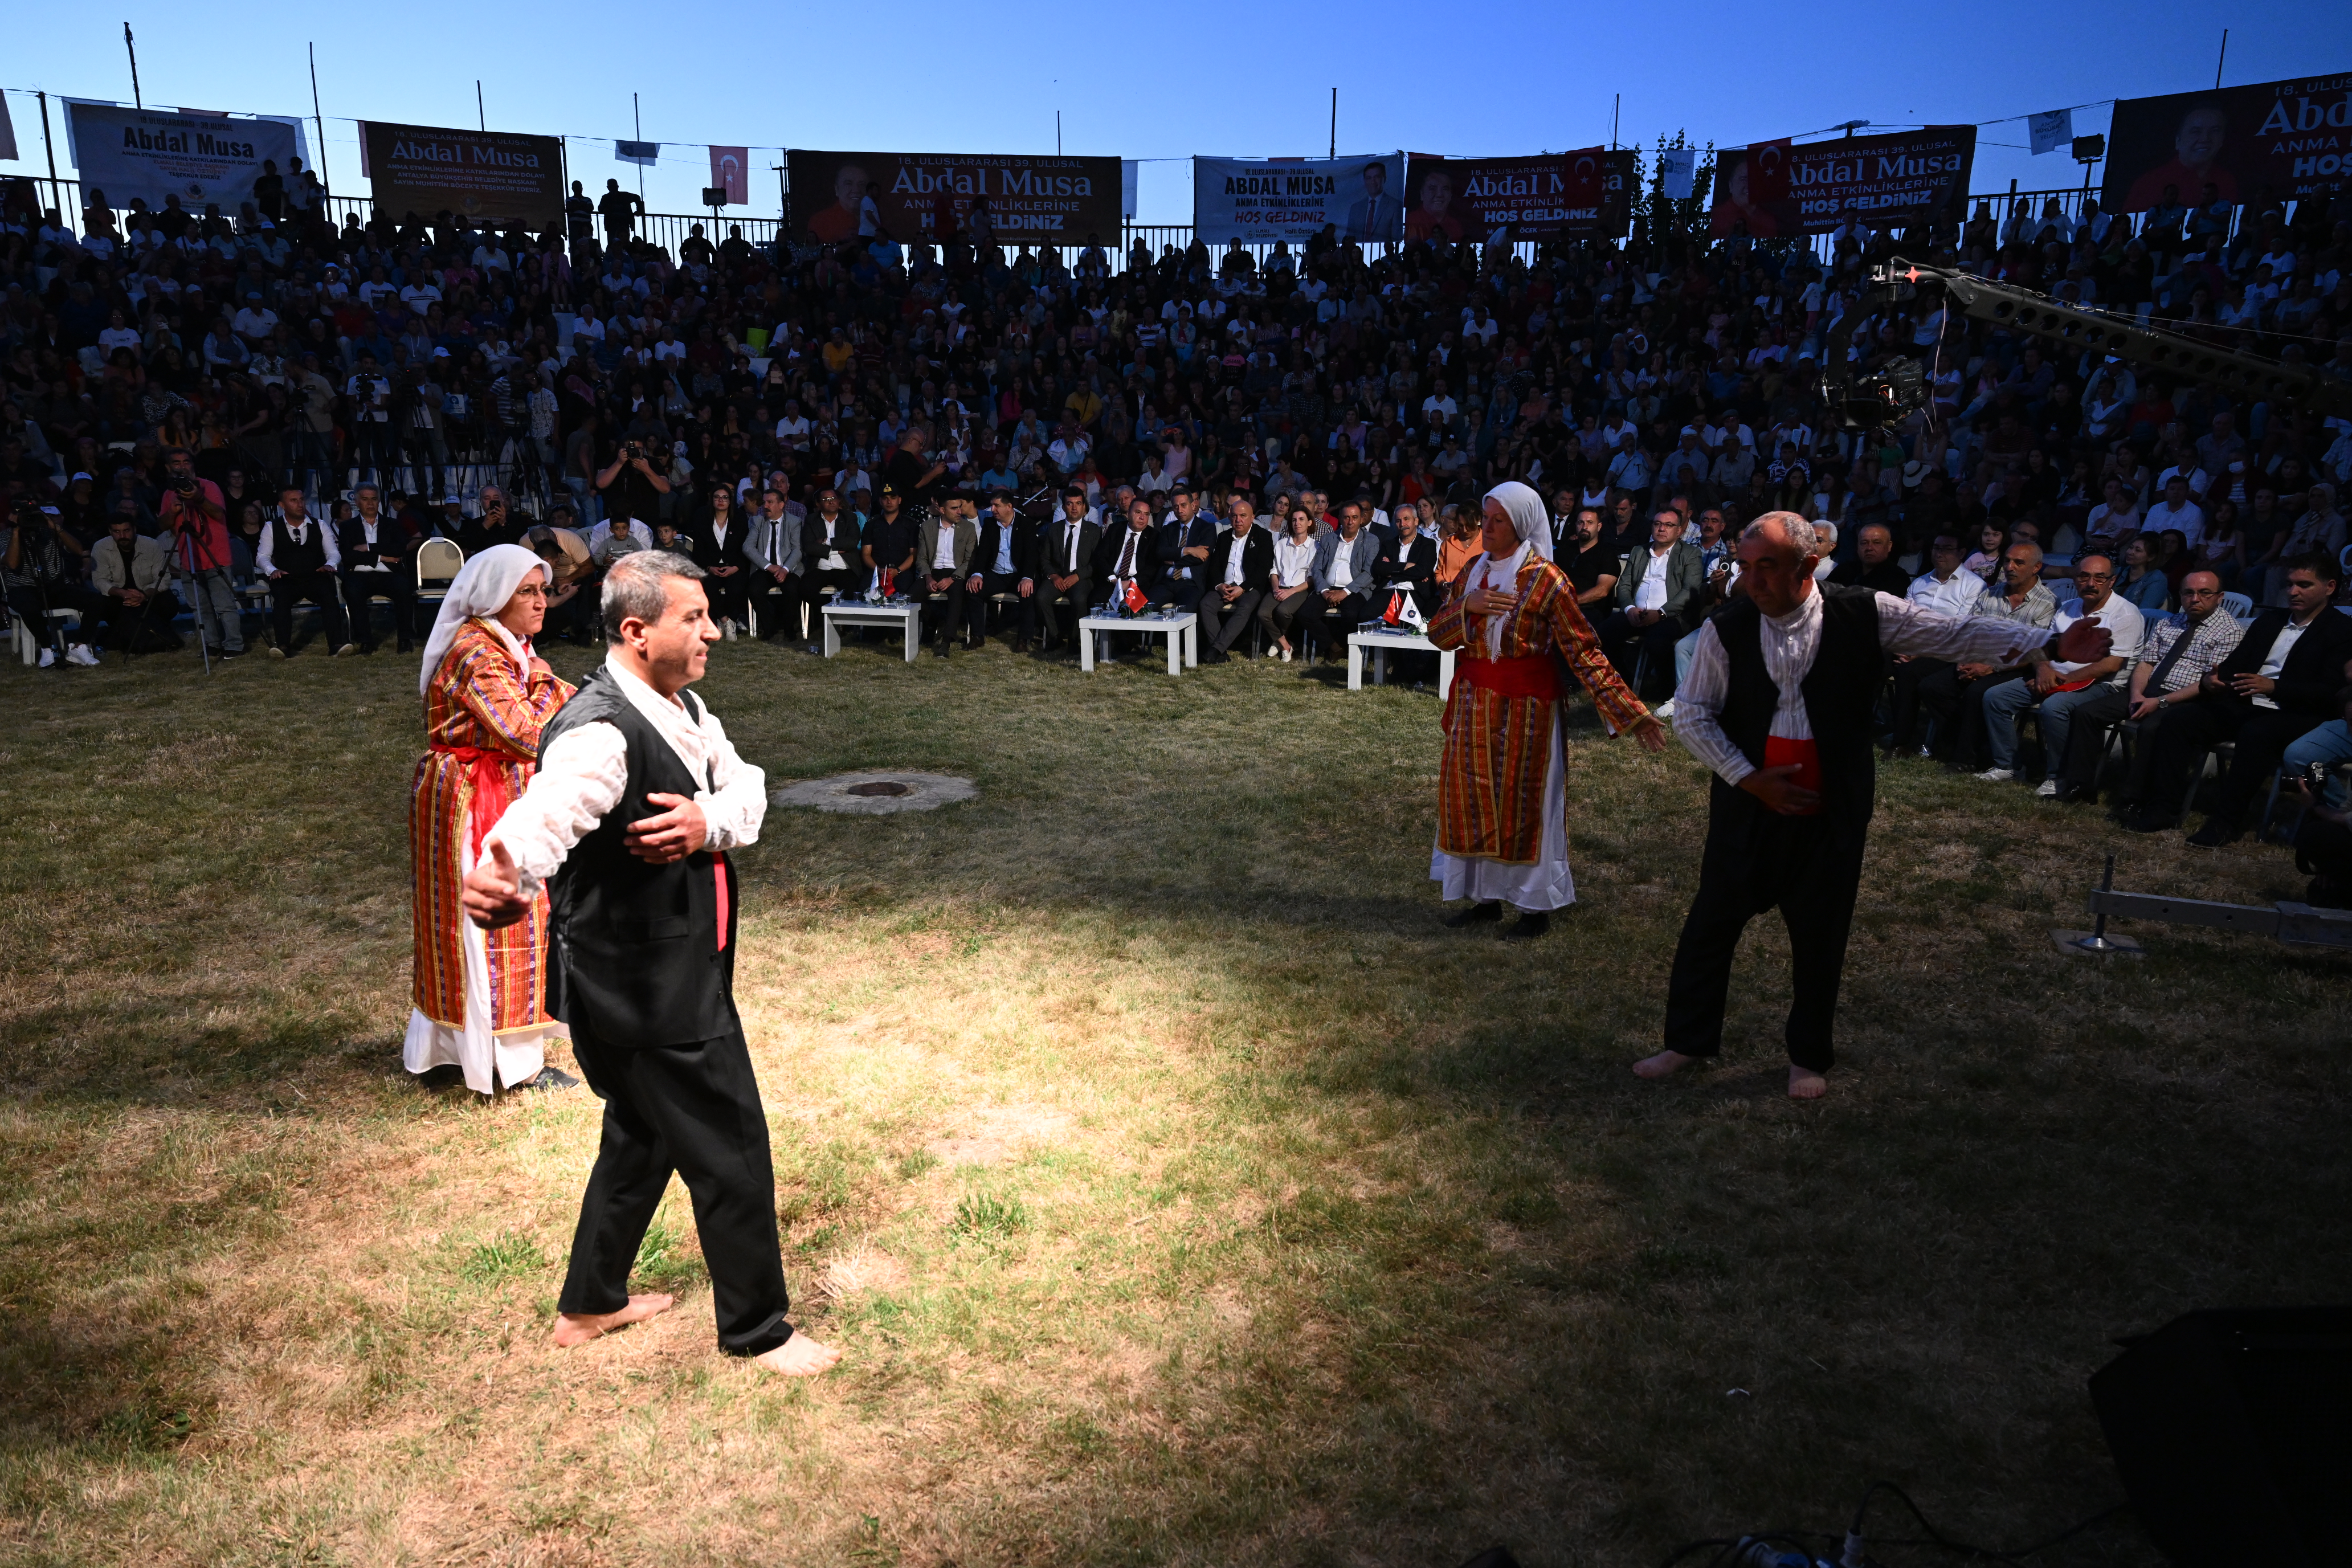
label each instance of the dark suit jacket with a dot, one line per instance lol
(1416, 568)
(1146, 566)
(1025, 545)
(1257, 560)
(1053, 558)
(849, 538)
(2314, 671)
(708, 552)
(1171, 539)
(390, 537)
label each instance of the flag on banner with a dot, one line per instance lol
(731, 169)
(644, 153)
(1678, 167)
(7, 133)
(2049, 131)
(1134, 601)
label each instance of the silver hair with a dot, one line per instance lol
(637, 586)
(1802, 534)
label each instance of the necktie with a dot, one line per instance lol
(2171, 656)
(1127, 556)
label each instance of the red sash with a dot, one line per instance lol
(1779, 751)
(491, 796)
(1536, 675)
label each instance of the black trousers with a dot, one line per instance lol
(137, 628)
(1052, 604)
(1959, 700)
(2324, 848)
(817, 587)
(1625, 643)
(319, 588)
(1184, 593)
(942, 609)
(1332, 622)
(1810, 867)
(727, 594)
(976, 605)
(395, 584)
(2261, 735)
(1222, 624)
(1904, 721)
(694, 1109)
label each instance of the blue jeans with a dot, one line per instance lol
(2331, 743)
(1685, 651)
(2005, 703)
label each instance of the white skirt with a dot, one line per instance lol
(1544, 885)
(515, 1057)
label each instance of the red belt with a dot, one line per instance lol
(1536, 675)
(486, 769)
(1779, 751)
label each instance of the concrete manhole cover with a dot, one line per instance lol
(879, 793)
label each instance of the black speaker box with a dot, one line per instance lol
(2233, 1432)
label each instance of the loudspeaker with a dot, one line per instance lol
(2233, 1432)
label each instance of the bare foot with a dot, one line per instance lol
(1804, 1083)
(1662, 1064)
(578, 1331)
(799, 1356)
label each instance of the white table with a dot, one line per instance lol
(909, 617)
(1380, 645)
(1182, 632)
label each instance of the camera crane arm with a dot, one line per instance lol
(1892, 393)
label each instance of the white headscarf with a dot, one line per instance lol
(482, 587)
(1530, 521)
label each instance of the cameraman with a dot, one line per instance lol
(192, 509)
(632, 487)
(40, 570)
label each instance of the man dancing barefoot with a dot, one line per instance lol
(1777, 702)
(637, 799)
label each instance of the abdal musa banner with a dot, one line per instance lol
(1774, 190)
(913, 197)
(2281, 140)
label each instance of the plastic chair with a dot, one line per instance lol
(2240, 606)
(28, 643)
(438, 561)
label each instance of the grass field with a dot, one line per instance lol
(1180, 1191)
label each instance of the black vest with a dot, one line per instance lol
(1840, 691)
(637, 945)
(300, 559)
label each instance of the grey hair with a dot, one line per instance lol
(636, 585)
(1805, 536)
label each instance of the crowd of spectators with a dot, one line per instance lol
(1017, 433)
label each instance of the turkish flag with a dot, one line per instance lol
(1582, 176)
(1768, 172)
(1134, 600)
(888, 578)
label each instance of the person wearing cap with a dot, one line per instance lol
(1004, 561)
(1068, 548)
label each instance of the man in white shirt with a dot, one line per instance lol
(298, 558)
(637, 799)
(375, 560)
(2053, 690)
(1779, 704)
(2177, 510)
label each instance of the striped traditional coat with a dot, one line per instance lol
(475, 701)
(1491, 781)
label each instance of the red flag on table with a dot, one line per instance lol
(887, 578)
(1134, 599)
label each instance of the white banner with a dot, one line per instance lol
(1678, 168)
(1259, 199)
(2049, 131)
(199, 158)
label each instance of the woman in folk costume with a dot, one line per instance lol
(480, 994)
(1501, 801)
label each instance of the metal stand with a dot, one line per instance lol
(2096, 939)
(2296, 925)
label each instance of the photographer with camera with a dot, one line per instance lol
(197, 517)
(632, 485)
(40, 570)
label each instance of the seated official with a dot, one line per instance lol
(1958, 693)
(298, 558)
(1004, 561)
(1872, 566)
(132, 574)
(1240, 566)
(1290, 590)
(944, 544)
(1181, 550)
(1407, 564)
(378, 557)
(2171, 670)
(718, 534)
(1655, 593)
(2278, 683)
(1067, 551)
(2054, 690)
(888, 552)
(1129, 565)
(829, 559)
(1343, 578)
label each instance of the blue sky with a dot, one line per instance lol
(1156, 82)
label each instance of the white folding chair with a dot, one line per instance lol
(437, 563)
(2240, 606)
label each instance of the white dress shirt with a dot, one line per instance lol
(943, 553)
(2125, 624)
(301, 534)
(367, 538)
(580, 778)
(1954, 595)
(1293, 561)
(1791, 643)
(2275, 661)
(1233, 559)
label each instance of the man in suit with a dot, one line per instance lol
(944, 544)
(2279, 681)
(377, 551)
(1653, 594)
(1407, 564)
(1179, 547)
(1375, 215)
(718, 550)
(830, 546)
(637, 799)
(1003, 562)
(298, 558)
(1068, 548)
(1128, 556)
(1240, 566)
(1343, 578)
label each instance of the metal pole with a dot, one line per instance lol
(2222, 56)
(1057, 133)
(639, 123)
(132, 50)
(1335, 123)
(56, 198)
(319, 159)
(481, 116)
(1616, 103)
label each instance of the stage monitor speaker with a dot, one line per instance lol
(2233, 1432)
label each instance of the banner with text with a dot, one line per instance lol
(1585, 192)
(1774, 190)
(922, 197)
(199, 158)
(2290, 138)
(1255, 200)
(493, 176)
